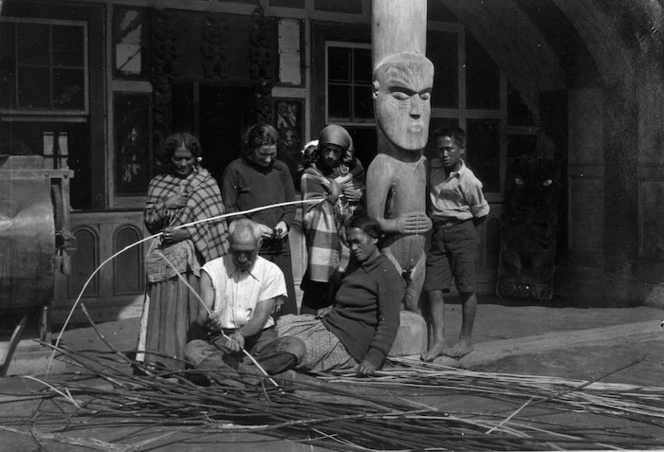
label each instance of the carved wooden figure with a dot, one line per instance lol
(396, 178)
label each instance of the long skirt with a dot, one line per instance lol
(168, 322)
(325, 352)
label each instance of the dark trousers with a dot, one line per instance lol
(278, 252)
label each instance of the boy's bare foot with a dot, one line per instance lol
(437, 349)
(461, 349)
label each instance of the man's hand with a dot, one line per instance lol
(413, 223)
(235, 342)
(213, 326)
(280, 230)
(366, 369)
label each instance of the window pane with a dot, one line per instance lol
(483, 151)
(67, 46)
(338, 64)
(365, 142)
(482, 77)
(338, 101)
(518, 113)
(33, 44)
(68, 89)
(7, 66)
(288, 3)
(339, 6)
(363, 102)
(130, 42)
(362, 71)
(442, 50)
(34, 88)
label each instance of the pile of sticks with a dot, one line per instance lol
(401, 408)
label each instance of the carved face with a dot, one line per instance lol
(402, 94)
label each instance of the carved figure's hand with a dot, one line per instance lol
(335, 191)
(413, 223)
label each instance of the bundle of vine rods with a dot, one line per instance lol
(384, 412)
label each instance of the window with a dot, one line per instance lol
(349, 98)
(43, 66)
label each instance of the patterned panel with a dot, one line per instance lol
(651, 219)
(85, 259)
(128, 274)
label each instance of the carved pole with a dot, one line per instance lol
(396, 178)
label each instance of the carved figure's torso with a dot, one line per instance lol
(395, 188)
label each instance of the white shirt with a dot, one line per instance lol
(236, 292)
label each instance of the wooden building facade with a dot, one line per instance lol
(95, 86)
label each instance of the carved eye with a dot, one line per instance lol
(547, 182)
(400, 95)
(425, 96)
(519, 181)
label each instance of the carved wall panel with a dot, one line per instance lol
(128, 273)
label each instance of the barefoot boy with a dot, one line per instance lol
(456, 207)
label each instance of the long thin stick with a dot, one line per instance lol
(211, 314)
(218, 217)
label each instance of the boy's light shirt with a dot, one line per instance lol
(457, 195)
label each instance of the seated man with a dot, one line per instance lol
(242, 290)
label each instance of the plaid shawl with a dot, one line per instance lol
(210, 238)
(323, 226)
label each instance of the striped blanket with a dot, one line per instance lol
(324, 225)
(210, 238)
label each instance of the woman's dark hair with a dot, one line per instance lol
(178, 140)
(258, 135)
(366, 223)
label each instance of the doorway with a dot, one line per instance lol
(217, 115)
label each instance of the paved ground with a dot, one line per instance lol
(574, 343)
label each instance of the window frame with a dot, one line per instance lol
(329, 119)
(85, 111)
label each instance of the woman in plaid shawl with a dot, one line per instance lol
(338, 176)
(184, 193)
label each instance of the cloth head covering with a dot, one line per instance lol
(334, 134)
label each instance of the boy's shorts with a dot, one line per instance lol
(454, 251)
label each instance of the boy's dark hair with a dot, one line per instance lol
(366, 223)
(456, 133)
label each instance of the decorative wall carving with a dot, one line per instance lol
(262, 62)
(214, 52)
